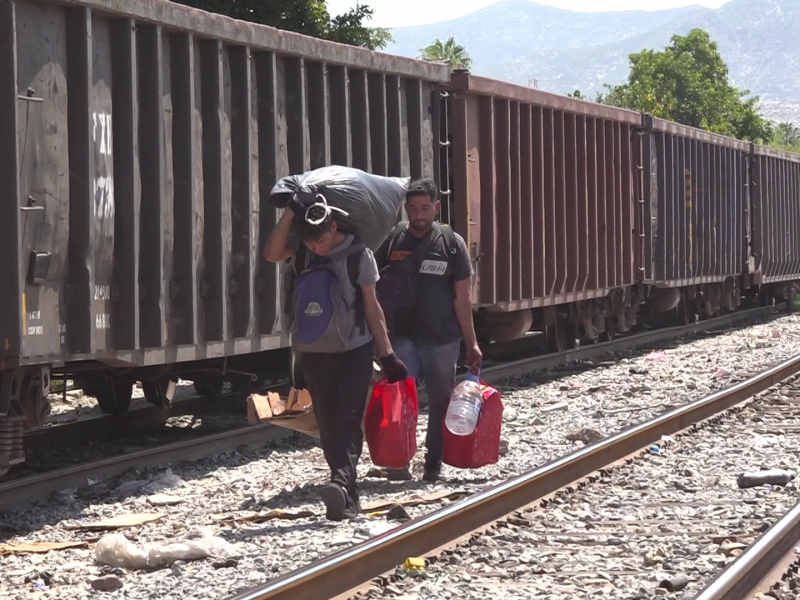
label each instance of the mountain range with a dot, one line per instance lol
(522, 41)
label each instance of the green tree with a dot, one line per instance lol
(454, 54)
(688, 82)
(309, 17)
(786, 136)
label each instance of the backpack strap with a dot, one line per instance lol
(352, 254)
(353, 263)
(393, 235)
(450, 249)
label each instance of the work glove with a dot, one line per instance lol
(295, 206)
(394, 368)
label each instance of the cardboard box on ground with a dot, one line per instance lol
(295, 412)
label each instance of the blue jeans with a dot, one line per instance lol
(436, 367)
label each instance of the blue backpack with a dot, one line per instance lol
(323, 321)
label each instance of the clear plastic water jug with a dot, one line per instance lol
(465, 406)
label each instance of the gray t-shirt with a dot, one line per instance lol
(367, 275)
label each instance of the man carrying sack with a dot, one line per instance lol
(336, 317)
(424, 292)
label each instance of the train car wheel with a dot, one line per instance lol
(208, 389)
(558, 335)
(156, 393)
(114, 398)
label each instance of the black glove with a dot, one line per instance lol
(394, 368)
(295, 206)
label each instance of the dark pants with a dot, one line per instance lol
(339, 384)
(436, 367)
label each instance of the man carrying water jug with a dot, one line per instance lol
(336, 317)
(424, 290)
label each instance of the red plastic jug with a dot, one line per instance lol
(390, 423)
(482, 446)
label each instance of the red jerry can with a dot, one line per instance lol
(390, 423)
(482, 446)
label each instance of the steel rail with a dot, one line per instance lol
(29, 489)
(766, 555)
(356, 565)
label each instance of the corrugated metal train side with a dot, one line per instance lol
(776, 220)
(136, 141)
(546, 192)
(697, 226)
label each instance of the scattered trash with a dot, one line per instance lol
(38, 547)
(503, 447)
(164, 500)
(675, 583)
(367, 531)
(654, 556)
(414, 564)
(656, 356)
(118, 551)
(732, 548)
(722, 373)
(263, 517)
(771, 477)
(167, 481)
(109, 583)
(296, 413)
(585, 435)
(398, 513)
(118, 522)
(414, 501)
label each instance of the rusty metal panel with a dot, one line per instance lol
(488, 238)
(141, 154)
(469, 83)
(698, 191)
(10, 174)
(529, 234)
(502, 201)
(776, 220)
(556, 196)
(318, 114)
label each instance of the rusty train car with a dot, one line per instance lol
(586, 219)
(139, 142)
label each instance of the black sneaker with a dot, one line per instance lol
(399, 474)
(335, 499)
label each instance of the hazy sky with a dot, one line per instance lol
(397, 13)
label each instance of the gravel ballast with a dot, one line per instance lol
(233, 495)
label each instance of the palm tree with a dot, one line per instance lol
(453, 54)
(788, 134)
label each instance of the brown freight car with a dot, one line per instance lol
(136, 142)
(545, 190)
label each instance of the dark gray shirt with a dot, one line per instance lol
(435, 321)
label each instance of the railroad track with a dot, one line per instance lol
(347, 571)
(771, 558)
(28, 489)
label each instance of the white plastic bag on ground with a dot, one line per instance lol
(118, 551)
